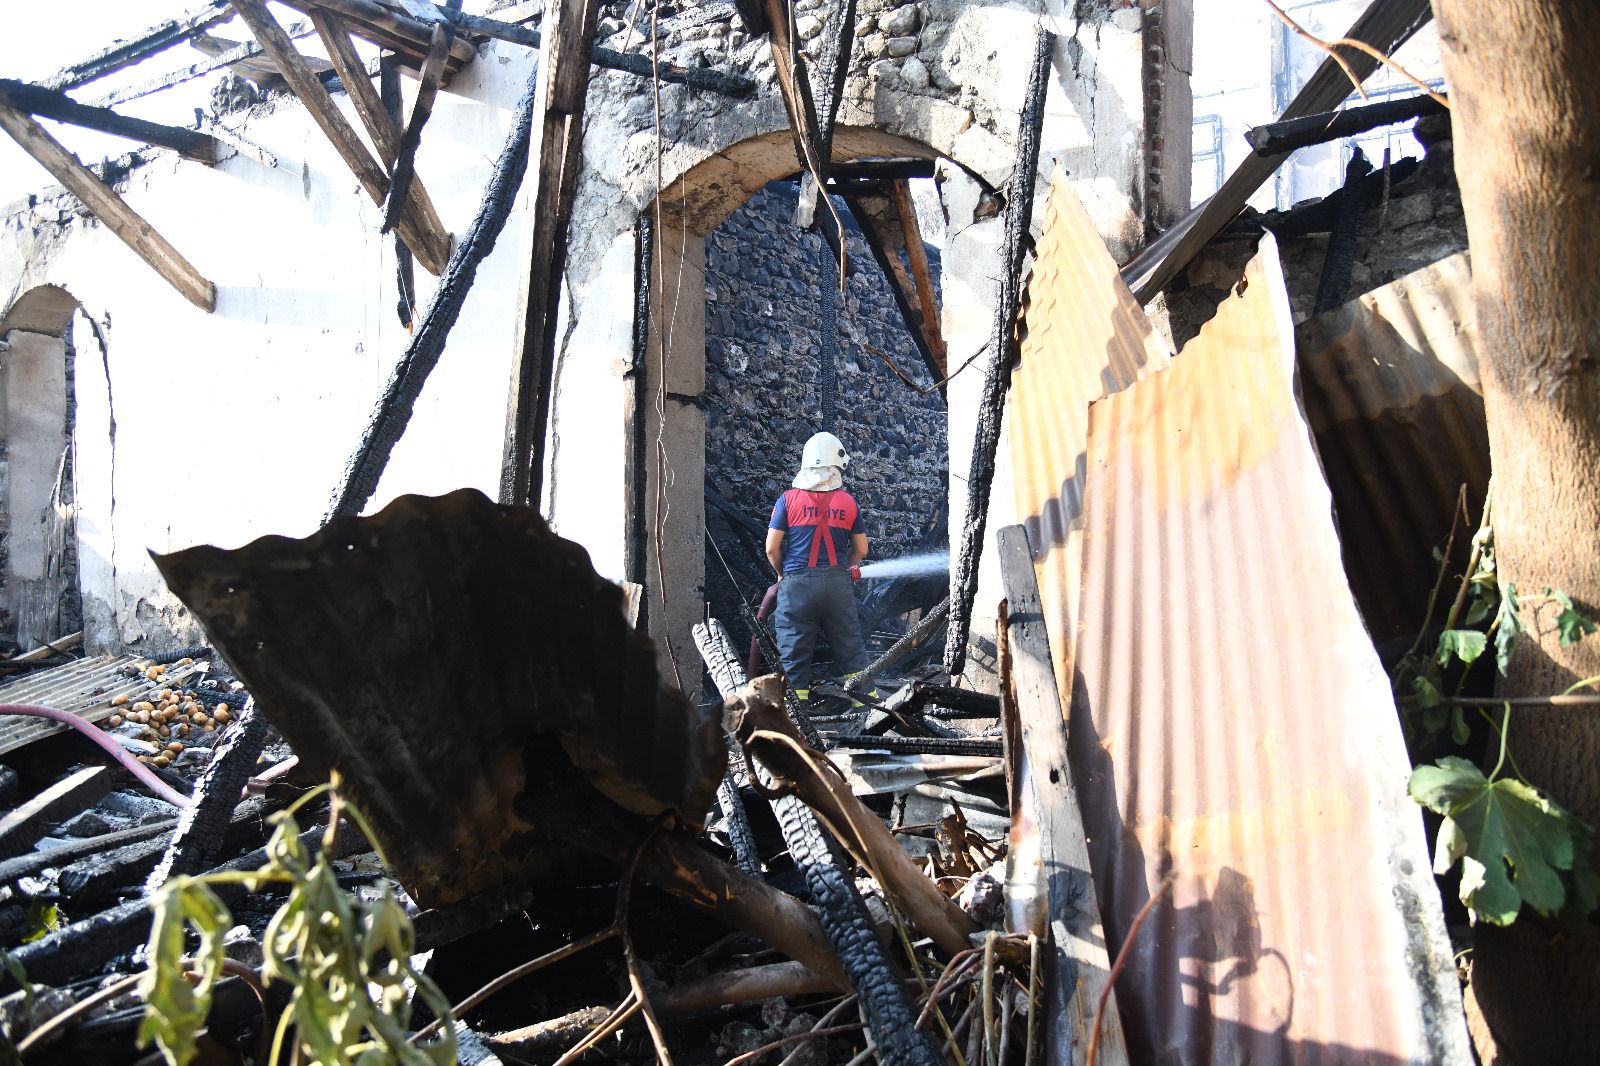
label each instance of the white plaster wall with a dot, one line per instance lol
(254, 410)
(36, 412)
(239, 423)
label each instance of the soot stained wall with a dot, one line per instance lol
(763, 355)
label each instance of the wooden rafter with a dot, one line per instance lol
(109, 208)
(47, 103)
(389, 28)
(563, 90)
(900, 190)
(432, 249)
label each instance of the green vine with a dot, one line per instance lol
(1515, 845)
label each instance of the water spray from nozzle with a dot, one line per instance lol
(926, 563)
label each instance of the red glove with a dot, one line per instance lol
(855, 572)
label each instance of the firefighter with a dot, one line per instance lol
(816, 541)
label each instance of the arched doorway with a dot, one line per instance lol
(41, 599)
(666, 511)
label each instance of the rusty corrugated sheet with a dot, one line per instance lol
(1390, 385)
(85, 687)
(1084, 337)
(453, 658)
(1231, 726)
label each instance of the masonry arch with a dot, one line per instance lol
(666, 463)
(41, 597)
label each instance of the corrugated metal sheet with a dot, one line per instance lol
(1231, 726)
(1084, 337)
(85, 686)
(1390, 385)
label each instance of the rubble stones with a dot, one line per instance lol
(901, 22)
(874, 45)
(914, 73)
(902, 46)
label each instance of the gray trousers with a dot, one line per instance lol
(818, 601)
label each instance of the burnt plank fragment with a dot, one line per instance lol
(75, 792)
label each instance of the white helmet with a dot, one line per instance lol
(823, 449)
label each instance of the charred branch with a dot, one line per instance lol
(151, 42)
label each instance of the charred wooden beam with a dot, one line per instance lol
(382, 127)
(989, 747)
(112, 210)
(47, 103)
(832, 889)
(152, 41)
(900, 648)
(399, 398)
(1338, 262)
(64, 854)
(1276, 138)
(404, 168)
(629, 63)
(73, 793)
(405, 267)
(203, 824)
(565, 74)
(432, 248)
(1002, 350)
(834, 66)
(1050, 892)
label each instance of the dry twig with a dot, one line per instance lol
(1331, 47)
(1122, 959)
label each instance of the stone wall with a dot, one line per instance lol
(763, 358)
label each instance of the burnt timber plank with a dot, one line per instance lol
(47, 103)
(1078, 967)
(109, 208)
(404, 171)
(432, 249)
(73, 793)
(563, 87)
(374, 115)
(900, 190)
(388, 28)
(900, 284)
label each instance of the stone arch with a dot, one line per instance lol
(41, 597)
(694, 202)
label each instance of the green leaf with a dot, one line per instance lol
(1464, 644)
(1427, 695)
(1572, 623)
(1508, 625)
(1513, 843)
(1478, 611)
(1459, 731)
(175, 1008)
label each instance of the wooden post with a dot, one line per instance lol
(109, 208)
(374, 115)
(47, 103)
(431, 249)
(900, 189)
(563, 87)
(1049, 853)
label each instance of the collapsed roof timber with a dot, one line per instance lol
(609, 834)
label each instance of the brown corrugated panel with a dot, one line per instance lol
(1084, 337)
(1231, 725)
(1390, 385)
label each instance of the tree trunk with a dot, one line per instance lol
(1526, 113)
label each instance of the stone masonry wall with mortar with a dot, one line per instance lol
(762, 400)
